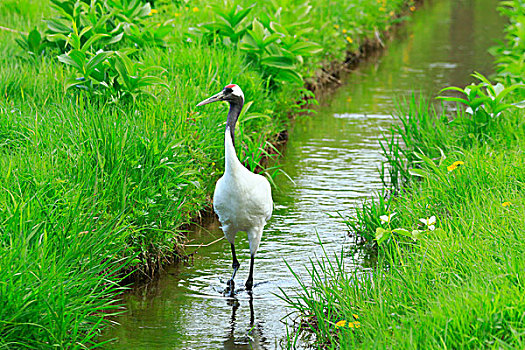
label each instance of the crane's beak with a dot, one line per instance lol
(214, 98)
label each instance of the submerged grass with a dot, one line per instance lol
(453, 283)
(97, 186)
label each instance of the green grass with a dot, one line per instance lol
(458, 286)
(95, 187)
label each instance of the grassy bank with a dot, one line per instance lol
(450, 241)
(104, 156)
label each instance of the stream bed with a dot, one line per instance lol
(332, 159)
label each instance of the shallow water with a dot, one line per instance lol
(333, 160)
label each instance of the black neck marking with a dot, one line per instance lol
(233, 115)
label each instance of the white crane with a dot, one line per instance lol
(242, 199)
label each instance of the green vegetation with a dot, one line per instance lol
(450, 240)
(104, 156)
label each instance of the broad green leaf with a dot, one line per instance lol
(429, 162)
(417, 172)
(56, 37)
(239, 16)
(114, 39)
(96, 60)
(452, 99)
(279, 28)
(452, 88)
(416, 234)
(33, 39)
(84, 31)
(475, 103)
(75, 59)
(278, 62)
(96, 37)
(402, 231)
(290, 76)
(511, 88)
(144, 10)
(382, 235)
(56, 26)
(271, 39)
(498, 88)
(128, 64)
(248, 44)
(68, 60)
(75, 82)
(520, 104)
(305, 48)
(151, 80)
(258, 32)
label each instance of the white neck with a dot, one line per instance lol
(231, 161)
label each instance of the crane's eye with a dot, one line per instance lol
(228, 90)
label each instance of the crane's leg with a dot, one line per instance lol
(249, 281)
(235, 265)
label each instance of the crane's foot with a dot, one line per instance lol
(249, 284)
(230, 289)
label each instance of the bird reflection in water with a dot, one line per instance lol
(252, 338)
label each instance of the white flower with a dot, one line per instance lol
(429, 222)
(386, 218)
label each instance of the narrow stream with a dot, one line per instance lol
(332, 159)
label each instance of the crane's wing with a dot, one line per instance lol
(262, 194)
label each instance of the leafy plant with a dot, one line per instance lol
(133, 76)
(88, 32)
(32, 43)
(115, 19)
(485, 104)
(277, 48)
(112, 70)
(511, 55)
(366, 219)
(232, 22)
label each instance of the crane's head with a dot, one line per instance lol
(231, 93)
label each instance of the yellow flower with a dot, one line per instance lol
(152, 11)
(349, 39)
(412, 8)
(357, 324)
(505, 204)
(344, 31)
(392, 13)
(195, 9)
(341, 323)
(349, 99)
(351, 325)
(382, 9)
(355, 316)
(336, 26)
(176, 14)
(454, 165)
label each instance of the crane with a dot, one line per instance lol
(242, 200)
